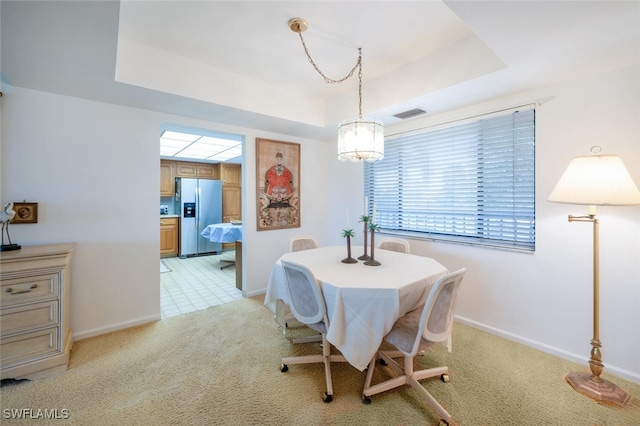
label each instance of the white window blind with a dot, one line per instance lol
(472, 182)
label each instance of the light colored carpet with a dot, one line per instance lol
(219, 366)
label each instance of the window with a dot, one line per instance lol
(470, 182)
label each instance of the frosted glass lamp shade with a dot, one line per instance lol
(360, 140)
(596, 180)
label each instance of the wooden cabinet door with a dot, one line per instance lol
(169, 236)
(186, 170)
(206, 171)
(230, 174)
(166, 178)
(196, 170)
(231, 207)
(231, 203)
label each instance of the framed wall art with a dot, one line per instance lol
(278, 184)
(25, 213)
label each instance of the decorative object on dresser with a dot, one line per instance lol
(35, 333)
(6, 216)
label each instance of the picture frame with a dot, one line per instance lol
(277, 184)
(25, 213)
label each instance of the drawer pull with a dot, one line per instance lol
(29, 290)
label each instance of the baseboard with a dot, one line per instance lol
(253, 293)
(114, 327)
(552, 350)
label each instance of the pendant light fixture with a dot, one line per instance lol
(359, 139)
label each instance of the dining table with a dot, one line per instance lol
(363, 302)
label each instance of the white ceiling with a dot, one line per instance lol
(237, 62)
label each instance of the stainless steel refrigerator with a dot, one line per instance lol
(200, 205)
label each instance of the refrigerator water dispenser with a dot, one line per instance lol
(189, 210)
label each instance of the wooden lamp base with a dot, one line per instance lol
(598, 389)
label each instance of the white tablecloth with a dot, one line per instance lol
(222, 233)
(363, 302)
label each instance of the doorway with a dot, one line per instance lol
(197, 282)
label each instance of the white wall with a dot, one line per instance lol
(93, 169)
(76, 157)
(545, 299)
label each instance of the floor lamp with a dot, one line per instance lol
(596, 180)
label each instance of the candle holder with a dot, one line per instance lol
(348, 233)
(372, 261)
(365, 219)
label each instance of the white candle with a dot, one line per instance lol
(373, 216)
(347, 218)
(366, 205)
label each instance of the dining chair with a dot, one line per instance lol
(394, 244)
(308, 307)
(413, 334)
(302, 242)
(297, 243)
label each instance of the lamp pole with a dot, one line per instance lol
(592, 385)
(596, 180)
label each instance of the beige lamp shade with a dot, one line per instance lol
(596, 180)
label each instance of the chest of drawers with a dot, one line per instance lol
(35, 333)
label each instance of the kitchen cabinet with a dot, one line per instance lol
(196, 170)
(169, 233)
(35, 333)
(169, 170)
(167, 178)
(231, 176)
(231, 203)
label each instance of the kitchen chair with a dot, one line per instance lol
(413, 334)
(395, 244)
(307, 305)
(302, 242)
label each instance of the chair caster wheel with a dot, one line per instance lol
(445, 378)
(284, 368)
(327, 398)
(366, 400)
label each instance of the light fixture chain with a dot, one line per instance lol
(360, 83)
(327, 79)
(358, 140)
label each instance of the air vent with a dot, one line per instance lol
(410, 113)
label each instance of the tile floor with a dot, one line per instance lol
(196, 283)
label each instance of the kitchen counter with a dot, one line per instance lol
(169, 215)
